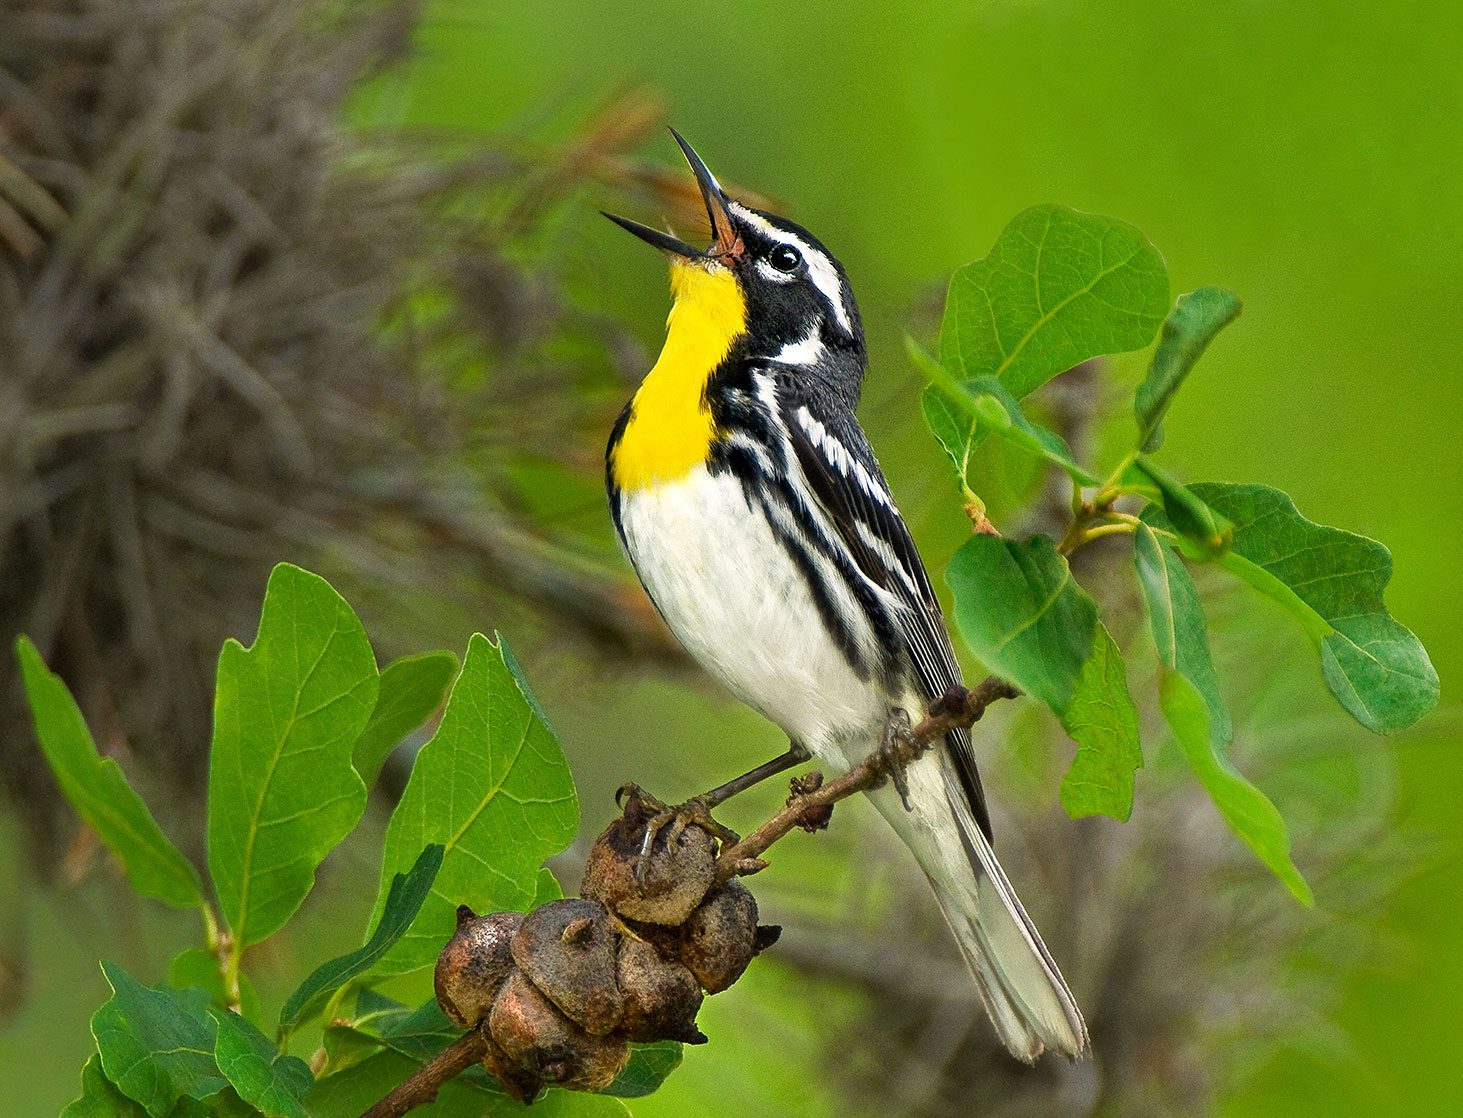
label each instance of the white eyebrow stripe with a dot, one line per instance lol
(820, 269)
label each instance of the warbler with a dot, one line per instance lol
(749, 502)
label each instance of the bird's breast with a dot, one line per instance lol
(734, 596)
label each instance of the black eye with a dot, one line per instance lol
(784, 258)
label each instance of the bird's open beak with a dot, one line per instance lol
(726, 244)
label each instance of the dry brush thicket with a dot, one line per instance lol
(234, 329)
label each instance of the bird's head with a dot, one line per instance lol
(773, 278)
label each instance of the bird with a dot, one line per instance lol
(747, 498)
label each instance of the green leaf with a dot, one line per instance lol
(1102, 720)
(359, 1036)
(948, 415)
(100, 1097)
(1058, 287)
(1244, 807)
(1333, 582)
(156, 1045)
(491, 787)
(521, 678)
(412, 689)
(960, 414)
(220, 1104)
(649, 1067)
(1177, 621)
(99, 791)
(1022, 614)
(281, 789)
(1189, 696)
(420, 1034)
(350, 1092)
(403, 901)
(954, 428)
(346, 1045)
(198, 968)
(353, 1090)
(1187, 331)
(548, 888)
(273, 1083)
(1190, 516)
(997, 411)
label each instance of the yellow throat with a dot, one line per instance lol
(670, 429)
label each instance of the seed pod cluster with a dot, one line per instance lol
(561, 992)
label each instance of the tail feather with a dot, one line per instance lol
(1023, 990)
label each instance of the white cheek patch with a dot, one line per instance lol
(804, 351)
(820, 269)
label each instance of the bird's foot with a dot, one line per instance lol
(892, 752)
(671, 820)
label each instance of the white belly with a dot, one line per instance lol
(735, 599)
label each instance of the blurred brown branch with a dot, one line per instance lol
(234, 329)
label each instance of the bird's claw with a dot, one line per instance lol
(693, 812)
(891, 753)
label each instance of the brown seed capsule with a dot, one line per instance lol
(520, 1084)
(661, 996)
(474, 964)
(543, 1043)
(720, 938)
(662, 937)
(677, 873)
(567, 950)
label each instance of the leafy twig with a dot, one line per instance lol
(809, 803)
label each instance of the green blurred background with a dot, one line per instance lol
(1308, 156)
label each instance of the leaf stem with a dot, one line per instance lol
(1119, 528)
(1081, 531)
(210, 926)
(332, 1007)
(230, 953)
(1110, 490)
(221, 944)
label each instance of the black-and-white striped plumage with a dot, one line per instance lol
(783, 565)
